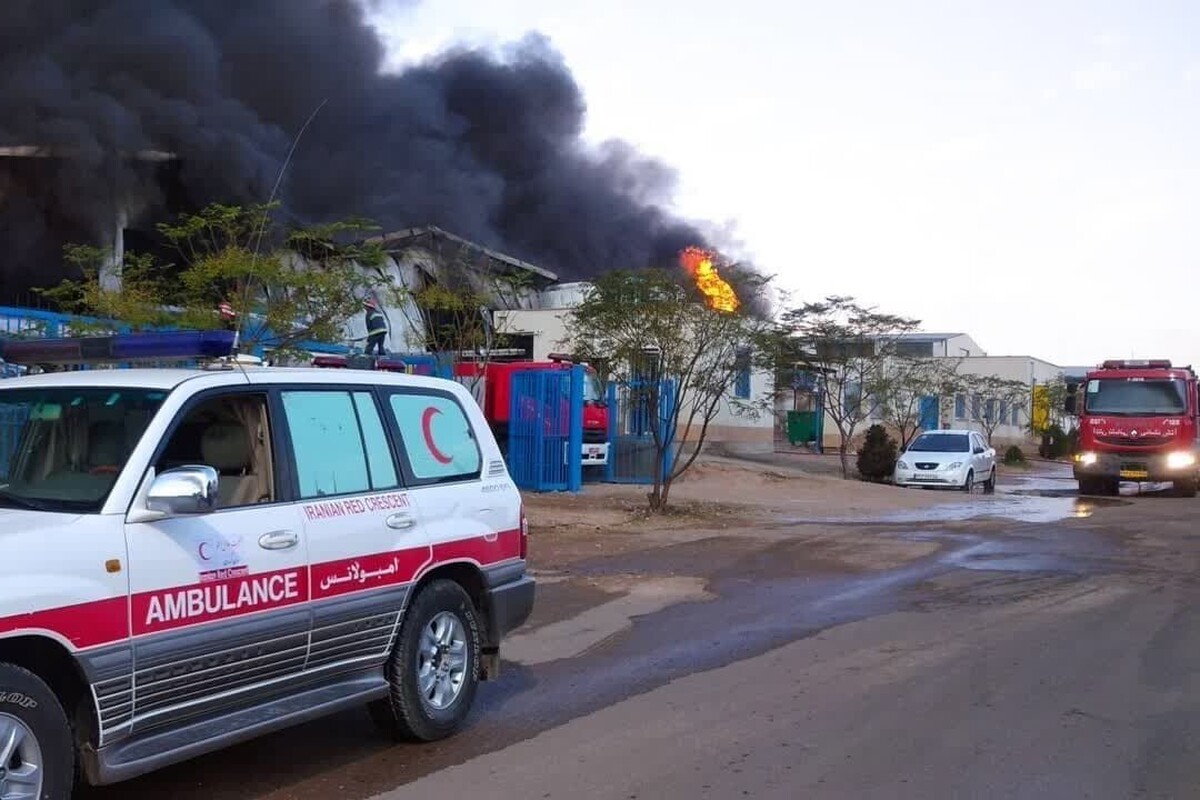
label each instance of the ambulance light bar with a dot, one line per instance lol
(122, 347)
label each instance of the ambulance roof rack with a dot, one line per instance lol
(381, 363)
(121, 348)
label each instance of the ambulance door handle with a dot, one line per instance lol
(400, 521)
(278, 540)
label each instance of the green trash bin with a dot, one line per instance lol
(801, 427)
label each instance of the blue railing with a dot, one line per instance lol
(633, 456)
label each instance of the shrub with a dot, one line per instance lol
(1057, 443)
(1014, 455)
(877, 457)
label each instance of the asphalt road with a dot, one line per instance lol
(1054, 658)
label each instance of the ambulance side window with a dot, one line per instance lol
(437, 437)
(231, 434)
(338, 442)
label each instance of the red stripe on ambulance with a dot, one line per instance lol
(179, 607)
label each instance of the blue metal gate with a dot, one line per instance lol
(632, 454)
(545, 429)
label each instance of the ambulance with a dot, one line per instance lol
(190, 558)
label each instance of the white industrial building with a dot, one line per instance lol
(959, 411)
(546, 327)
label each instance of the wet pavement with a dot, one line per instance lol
(631, 624)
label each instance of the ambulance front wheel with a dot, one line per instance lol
(37, 754)
(433, 671)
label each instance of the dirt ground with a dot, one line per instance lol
(717, 498)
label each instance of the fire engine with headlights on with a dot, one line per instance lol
(1137, 422)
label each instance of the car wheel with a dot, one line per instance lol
(434, 668)
(37, 754)
(989, 486)
(969, 483)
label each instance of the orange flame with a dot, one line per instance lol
(718, 293)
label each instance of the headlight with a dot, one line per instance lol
(1180, 460)
(1087, 459)
(955, 465)
(901, 465)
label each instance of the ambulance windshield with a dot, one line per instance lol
(62, 448)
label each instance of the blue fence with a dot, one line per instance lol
(33, 322)
(545, 430)
(633, 456)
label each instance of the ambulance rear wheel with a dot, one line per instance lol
(37, 754)
(434, 669)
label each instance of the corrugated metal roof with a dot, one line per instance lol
(407, 235)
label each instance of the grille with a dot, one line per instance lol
(1131, 441)
(926, 465)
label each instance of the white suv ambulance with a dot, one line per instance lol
(191, 558)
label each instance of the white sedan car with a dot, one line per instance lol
(955, 458)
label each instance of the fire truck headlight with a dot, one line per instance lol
(1088, 459)
(1180, 460)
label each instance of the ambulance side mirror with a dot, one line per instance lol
(183, 491)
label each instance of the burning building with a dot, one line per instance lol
(220, 102)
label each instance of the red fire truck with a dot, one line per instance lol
(497, 393)
(1137, 422)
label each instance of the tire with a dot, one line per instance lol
(1089, 486)
(45, 753)
(969, 483)
(989, 486)
(412, 712)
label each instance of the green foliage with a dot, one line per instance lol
(901, 385)
(647, 325)
(1014, 456)
(1057, 443)
(285, 285)
(877, 456)
(990, 400)
(847, 347)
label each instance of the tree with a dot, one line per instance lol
(877, 458)
(284, 286)
(646, 326)
(1049, 405)
(990, 400)
(447, 308)
(902, 386)
(846, 347)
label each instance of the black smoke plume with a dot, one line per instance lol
(485, 145)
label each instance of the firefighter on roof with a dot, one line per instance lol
(377, 327)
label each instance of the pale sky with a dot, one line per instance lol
(1025, 172)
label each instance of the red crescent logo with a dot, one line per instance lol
(426, 423)
(200, 550)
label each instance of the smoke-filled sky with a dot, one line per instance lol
(1026, 172)
(486, 144)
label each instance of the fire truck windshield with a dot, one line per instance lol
(592, 392)
(1136, 398)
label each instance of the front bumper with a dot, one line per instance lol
(1133, 466)
(930, 477)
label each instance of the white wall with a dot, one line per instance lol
(547, 326)
(1026, 369)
